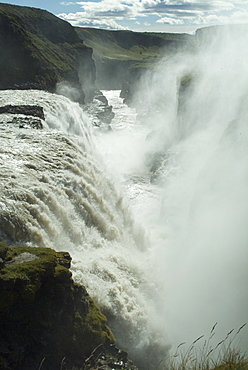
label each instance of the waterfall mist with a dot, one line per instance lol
(57, 193)
(199, 142)
(152, 212)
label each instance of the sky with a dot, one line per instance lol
(145, 15)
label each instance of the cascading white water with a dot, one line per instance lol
(197, 208)
(167, 259)
(55, 192)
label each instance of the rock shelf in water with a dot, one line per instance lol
(46, 319)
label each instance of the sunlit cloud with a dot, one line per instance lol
(82, 19)
(122, 14)
(240, 17)
(67, 3)
(167, 20)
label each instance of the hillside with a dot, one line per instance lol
(115, 52)
(123, 45)
(38, 50)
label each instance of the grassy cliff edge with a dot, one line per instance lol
(45, 317)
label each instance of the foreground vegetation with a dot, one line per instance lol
(221, 356)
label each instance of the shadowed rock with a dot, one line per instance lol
(47, 321)
(27, 110)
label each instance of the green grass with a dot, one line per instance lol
(39, 39)
(114, 51)
(107, 45)
(222, 356)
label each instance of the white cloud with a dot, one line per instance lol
(215, 19)
(107, 8)
(240, 17)
(116, 13)
(171, 21)
(80, 19)
(209, 20)
(66, 3)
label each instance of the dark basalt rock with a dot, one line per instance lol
(100, 112)
(28, 123)
(33, 116)
(27, 110)
(47, 321)
(109, 357)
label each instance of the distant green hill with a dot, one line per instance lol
(129, 45)
(115, 52)
(39, 49)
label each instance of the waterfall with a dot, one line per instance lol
(154, 211)
(56, 192)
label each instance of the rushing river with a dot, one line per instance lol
(153, 212)
(56, 192)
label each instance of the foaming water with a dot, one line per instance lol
(153, 212)
(55, 192)
(126, 152)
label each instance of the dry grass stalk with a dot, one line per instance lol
(224, 356)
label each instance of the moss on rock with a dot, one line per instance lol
(38, 50)
(3, 249)
(45, 317)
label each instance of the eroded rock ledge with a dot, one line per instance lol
(23, 116)
(47, 321)
(27, 110)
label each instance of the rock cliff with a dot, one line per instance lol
(117, 52)
(47, 321)
(44, 316)
(38, 50)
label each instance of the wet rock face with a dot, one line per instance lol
(100, 112)
(22, 116)
(108, 357)
(47, 321)
(27, 110)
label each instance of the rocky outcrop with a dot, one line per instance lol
(22, 116)
(108, 358)
(100, 112)
(27, 110)
(38, 50)
(208, 35)
(131, 84)
(47, 321)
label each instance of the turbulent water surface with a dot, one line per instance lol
(56, 192)
(153, 212)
